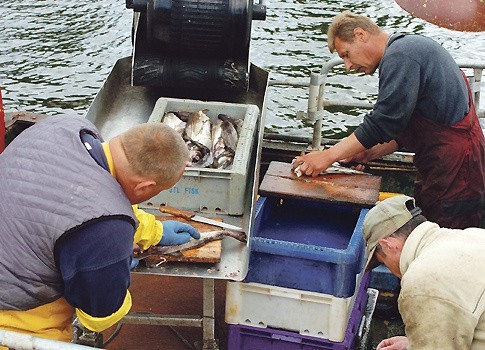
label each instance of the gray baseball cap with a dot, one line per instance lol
(384, 219)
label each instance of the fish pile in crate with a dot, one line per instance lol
(221, 138)
(210, 145)
(305, 288)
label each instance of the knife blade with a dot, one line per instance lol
(188, 215)
(216, 223)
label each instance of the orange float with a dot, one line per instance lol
(460, 15)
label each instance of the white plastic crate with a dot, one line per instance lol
(217, 190)
(309, 313)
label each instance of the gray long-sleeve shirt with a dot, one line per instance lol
(415, 74)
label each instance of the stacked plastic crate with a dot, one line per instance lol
(305, 287)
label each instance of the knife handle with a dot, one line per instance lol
(185, 214)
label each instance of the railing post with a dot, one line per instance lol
(477, 77)
(316, 100)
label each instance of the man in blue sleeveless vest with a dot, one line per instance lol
(69, 219)
(425, 105)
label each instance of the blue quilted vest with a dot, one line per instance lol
(49, 184)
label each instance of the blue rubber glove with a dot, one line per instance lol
(175, 232)
(134, 263)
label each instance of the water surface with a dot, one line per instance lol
(56, 54)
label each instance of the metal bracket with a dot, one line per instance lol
(83, 336)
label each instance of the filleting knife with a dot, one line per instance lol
(189, 215)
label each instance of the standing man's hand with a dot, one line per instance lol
(313, 163)
(175, 232)
(394, 343)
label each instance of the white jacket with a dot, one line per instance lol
(442, 299)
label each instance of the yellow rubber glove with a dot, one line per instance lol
(149, 231)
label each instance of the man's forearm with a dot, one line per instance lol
(382, 150)
(315, 162)
(346, 148)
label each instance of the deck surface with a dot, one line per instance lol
(168, 296)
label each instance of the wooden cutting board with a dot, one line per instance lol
(209, 253)
(349, 189)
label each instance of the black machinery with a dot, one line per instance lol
(191, 44)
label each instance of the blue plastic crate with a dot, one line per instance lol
(383, 280)
(306, 245)
(242, 337)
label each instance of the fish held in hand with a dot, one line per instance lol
(205, 237)
(335, 168)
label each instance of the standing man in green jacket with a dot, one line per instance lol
(442, 272)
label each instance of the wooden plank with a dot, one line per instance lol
(354, 189)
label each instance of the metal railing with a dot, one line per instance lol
(20, 341)
(317, 101)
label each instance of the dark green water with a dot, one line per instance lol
(55, 54)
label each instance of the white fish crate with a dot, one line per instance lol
(309, 313)
(213, 190)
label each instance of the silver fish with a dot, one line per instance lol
(335, 168)
(205, 136)
(218, 144)
(216, 131)
(199, 139)
(184, 116)
(229, 134)
(174, 122)
(199, 128)
(223, 160)
(199, 154)
(223, 155)
(219, 147)
(238, 123)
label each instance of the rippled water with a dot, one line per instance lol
(56, 54)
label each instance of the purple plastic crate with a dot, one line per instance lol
(252, 338)
(305, 245)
